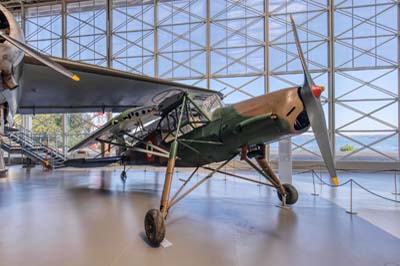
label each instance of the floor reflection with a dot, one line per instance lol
(90, 217)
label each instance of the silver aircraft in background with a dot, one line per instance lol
(31, 85)
(12, 51)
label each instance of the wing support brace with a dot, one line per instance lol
(175, 199)
(161, 152)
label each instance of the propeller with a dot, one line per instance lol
(43, 59)
(310, 94)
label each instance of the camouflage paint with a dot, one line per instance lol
(264, 119)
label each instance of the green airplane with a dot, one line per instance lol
(163, 122)
(189, 129)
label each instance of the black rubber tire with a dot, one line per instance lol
(154, 227)
(291, 194)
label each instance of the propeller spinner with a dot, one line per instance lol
(310, 94)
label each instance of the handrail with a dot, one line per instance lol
(34, 147)
(28, 139)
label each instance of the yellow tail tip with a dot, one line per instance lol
(335, 181)
(76, 78)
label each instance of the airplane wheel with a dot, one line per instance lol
(154, 227)
(123, 176)
(291, 194)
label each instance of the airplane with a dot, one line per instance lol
(185, 130)
(163, 123)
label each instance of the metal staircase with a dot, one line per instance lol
(21, 140)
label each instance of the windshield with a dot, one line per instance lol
(208, 103)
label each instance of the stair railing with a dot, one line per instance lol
(34, 144)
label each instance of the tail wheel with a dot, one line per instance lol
(123, 176)
(154, 227)
(291, 194)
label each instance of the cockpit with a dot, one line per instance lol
(196, 113)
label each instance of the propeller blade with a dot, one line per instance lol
(307, 77)
(42, 58)
(316, 117)
(315, 112)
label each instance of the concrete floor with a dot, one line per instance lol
(80, 217)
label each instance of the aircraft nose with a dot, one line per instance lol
(317, 90)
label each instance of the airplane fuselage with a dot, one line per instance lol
(259, 120)
(250, 123)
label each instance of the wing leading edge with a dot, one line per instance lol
(99, 89)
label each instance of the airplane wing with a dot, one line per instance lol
(137, 122)
(99, 89)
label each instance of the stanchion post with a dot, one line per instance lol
(225, 174)
(313, 181)
(395, 184)
(320, 172)
(351, 199)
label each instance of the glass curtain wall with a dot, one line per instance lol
(245, 49)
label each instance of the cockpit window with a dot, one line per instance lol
(194, 115)
(209, 103)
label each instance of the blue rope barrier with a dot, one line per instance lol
(355, 182)
(375, 194)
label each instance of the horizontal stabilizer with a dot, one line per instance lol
(87, 163)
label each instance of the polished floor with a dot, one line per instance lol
(88, 217)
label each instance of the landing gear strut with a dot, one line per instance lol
(287, 193)
(154, 219)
